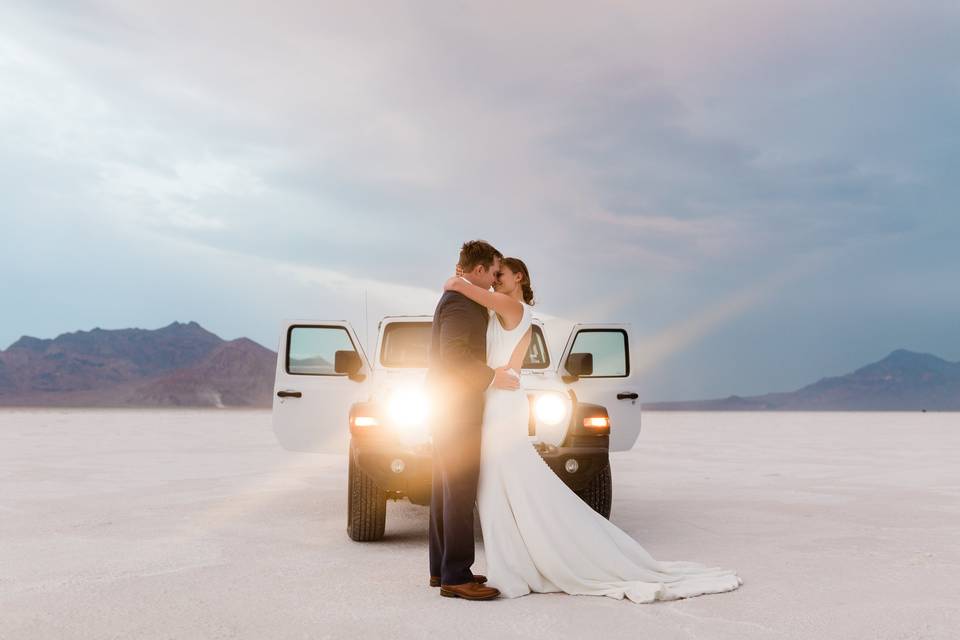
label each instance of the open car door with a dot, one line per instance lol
(321, 371)
(609, 381)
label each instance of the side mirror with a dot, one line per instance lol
(578, 364)
(348, 362)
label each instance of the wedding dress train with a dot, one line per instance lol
(540, 536)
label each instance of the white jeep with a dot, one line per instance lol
(329, 398)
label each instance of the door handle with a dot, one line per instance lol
(627, 396)
(289, 394)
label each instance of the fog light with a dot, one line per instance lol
(397, 466)
(571, 465)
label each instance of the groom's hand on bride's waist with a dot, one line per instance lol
(505, 378)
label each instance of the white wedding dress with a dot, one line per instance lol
(540, 536)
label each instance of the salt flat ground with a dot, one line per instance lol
(195, 524)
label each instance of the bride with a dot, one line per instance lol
(538, 535)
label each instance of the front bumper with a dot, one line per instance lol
(590, 462)
(375, 459)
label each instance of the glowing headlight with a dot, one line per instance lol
(408, 407)
(550, 409)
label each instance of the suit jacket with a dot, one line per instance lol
(457, 372)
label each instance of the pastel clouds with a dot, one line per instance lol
(650, 161)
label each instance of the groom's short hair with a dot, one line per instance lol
(477, 252)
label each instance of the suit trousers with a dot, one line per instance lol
(456, 471)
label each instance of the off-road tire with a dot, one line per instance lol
(599, 493)
(366, 506)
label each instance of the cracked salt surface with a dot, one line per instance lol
(158, 524)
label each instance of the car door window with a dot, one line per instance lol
(537, 356)
(313, 350)
(610, 351)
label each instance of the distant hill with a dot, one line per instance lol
(180, 365)
(903, 381)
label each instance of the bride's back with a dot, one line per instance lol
(500, 342)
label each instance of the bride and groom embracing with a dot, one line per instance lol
(538, 535)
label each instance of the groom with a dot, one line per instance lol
(457, 377)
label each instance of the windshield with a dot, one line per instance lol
(407, 345)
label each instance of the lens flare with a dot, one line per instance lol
(408, 407)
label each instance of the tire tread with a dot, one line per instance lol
(366, 506)
(599, 493)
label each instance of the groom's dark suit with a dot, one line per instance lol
(457, 377)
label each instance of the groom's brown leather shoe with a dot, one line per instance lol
(468, 591)
(435, 580)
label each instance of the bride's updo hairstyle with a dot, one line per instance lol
(516, 265)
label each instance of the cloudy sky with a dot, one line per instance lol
(767, 191)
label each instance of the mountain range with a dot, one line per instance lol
(184, 365)
(903, 381)
(180, 365)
